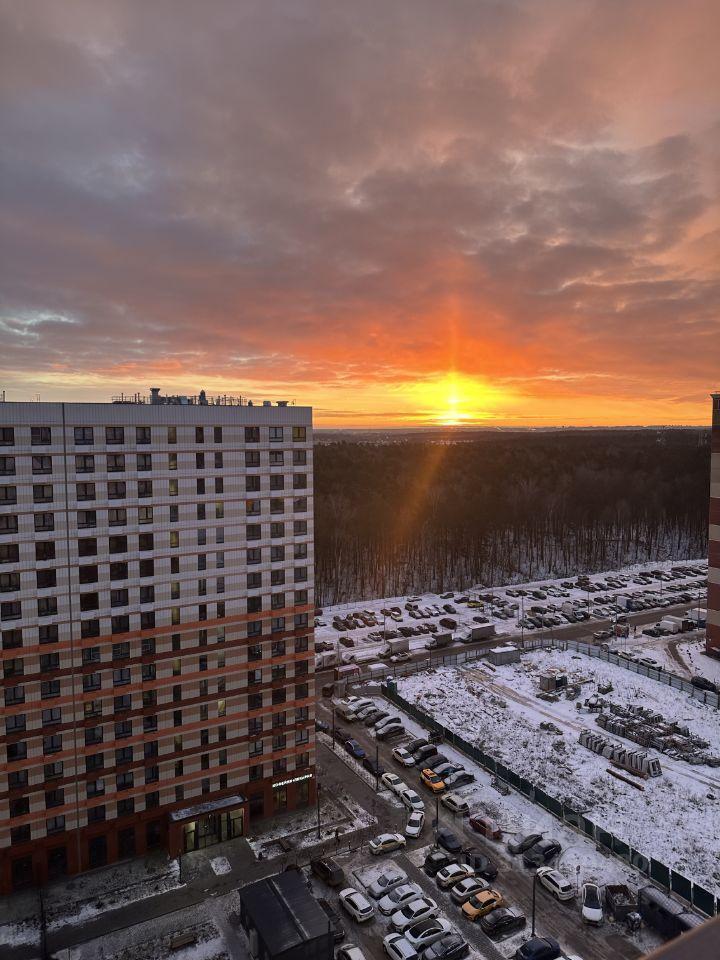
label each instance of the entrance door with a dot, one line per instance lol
(97, 852)
(57, 863)
(22, 873)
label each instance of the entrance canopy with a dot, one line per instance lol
(212, 806)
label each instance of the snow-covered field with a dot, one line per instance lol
(499, 609)
(675, 819)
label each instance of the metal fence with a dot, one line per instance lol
(703, 900)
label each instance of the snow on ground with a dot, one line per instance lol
(18, 934)
(220, 865)
(698, 662)
(368, 641)
(673, 819)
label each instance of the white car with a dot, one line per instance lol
(415, 824)
(592, 911)
(398, 897)
(385, 722)
(386, 842)
(455, 804)
(467, 888)
(556, 883)
(349, 951)
(425, 932)
(419, 909)
(362, 713)
(356, 904)
(393, 782)
(453, 873)
(359, 703)
(397, 947)
(388, 880)
(412, 799)
(401, 756)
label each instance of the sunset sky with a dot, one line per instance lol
(402, 212)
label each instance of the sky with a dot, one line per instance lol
(401, 212)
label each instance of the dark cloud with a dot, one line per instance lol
(333, 194)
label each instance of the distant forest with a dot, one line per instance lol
(437, 514)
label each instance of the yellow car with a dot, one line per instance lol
(432, 781)
(482, 903)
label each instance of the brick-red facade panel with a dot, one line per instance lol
(715, 440)
(714, 553)
(713, 596)
(713, 636)
(715, 510)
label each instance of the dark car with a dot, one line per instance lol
(322, 726)
(523, 843)
(502, 923)
(421, 753)
(702, 683)
(416, 744)
(338, 930)
(373, 767)
(450, 947)
(328, 870)
(355, 749)
(341, 735)
(538, 948)
(543, 852)
(436, 760)
(436, 860)
(449, 841)
(482, 865)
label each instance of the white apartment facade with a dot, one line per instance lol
(156, 608)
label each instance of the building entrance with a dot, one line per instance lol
(212, 828)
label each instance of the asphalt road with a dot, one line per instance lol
(561, 920)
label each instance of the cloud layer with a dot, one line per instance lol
(345, 202)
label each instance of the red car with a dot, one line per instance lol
(485, 826)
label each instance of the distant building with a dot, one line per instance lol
(156, 611)
(713, 614)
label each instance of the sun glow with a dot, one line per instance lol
(457, 399)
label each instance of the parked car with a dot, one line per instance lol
(415, 824)
(481, 903)
(390, 879)
(356, 904)
(390, 730)
(372, 766)
(322, 726)
(558, 885)
(379, 724)
(426, 750)
(502, 923)
(455, 804)
(451, 946)
(449, 841)
(436, 860)
(538, 948)
(350, 951)
(467, 888)
(355, 749)
(386, 842)
(415, 744)
(541, 853)
(393, 782)
(426, 932)
(397, 947)
(419, 909)
(398, 897)
(459, 779)
(485, 826)
(435, 760)
(591, 910)
(403, 757)
(372, 716)
(432, 781)
(445, 769)
(336, 926)
(412, 799)
(328, 870)
(482, 865)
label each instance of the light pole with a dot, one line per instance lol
(532, 934)
(317, 796)
(377, 767)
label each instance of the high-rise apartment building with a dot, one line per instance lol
(713, 616)
(156, 605)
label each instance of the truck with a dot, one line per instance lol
(439, 640)
(392, 647)
(484, 632)
(671, 625)
(326, 659)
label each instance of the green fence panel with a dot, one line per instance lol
(555, 807)
(680, 885)
(660, 873)
(588, 828)
(542, 798)
(640, 862)
(603, 838)
(703, 900)
(620, 849)
(526, 788)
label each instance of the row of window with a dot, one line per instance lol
(43, 436)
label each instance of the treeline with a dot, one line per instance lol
(438, 514)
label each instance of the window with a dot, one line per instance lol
(200, 485)
(40, 436)
(174, 513)
(86, 519)
(118, 570)
(17, 751)
(15, 723)
(172, 434)
(252, 484)
(54, 770)
(47, 606)
(114, 435)
(199, 460)
(145, 514)
(299, 481)
(45, 550)
(252, 508)
(254, 628)
(126, 807)
(10, 610)
(42, 493)
(121, 676)
(277, 553)
(277, 505)
(8, 495)
(52, 743)
(254, 604)
(300, 504)
(9, 582)
(253, 555)
(89, 628)
(93, 735)
(147, 568)
(95, 788)
(7, 466)
(89, 601)
(252, 458)
(173, 488)
(301, 621)
(54, 798)
(87, 547)
(85, 463)
(199, 435)
(143, 435)
(276, 434)
(300, 551)
(145, 488)
(299, 458)
(144, 461)
(147, 594)
(9, 523)
(55, 824)
(85, 491)
(277, 601)
(46, 578)
(277, 577)
(277, 458)
(84, 435)
(116, 462)
(96, 814)
(11, 639)
(121, 651)
(218, 460)
(219, 510)
(277, 624)
(220, 560)
(117, 516)
(253, 531)
(217, 435)
(299, 434)
(91, 655)
(120, 623)
(301, 597)
(125, 780)
(277, 529)
(277, 481)
(41, 465)
(279, 671)
(48, 633)
(146, 541)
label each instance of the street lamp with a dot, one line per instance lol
(317, 796)
(377, 767)
(532, 934)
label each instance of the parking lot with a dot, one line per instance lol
(514, 882)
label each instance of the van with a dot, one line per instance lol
(328, 870)
(345, 711)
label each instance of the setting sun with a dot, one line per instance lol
(457, 399)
